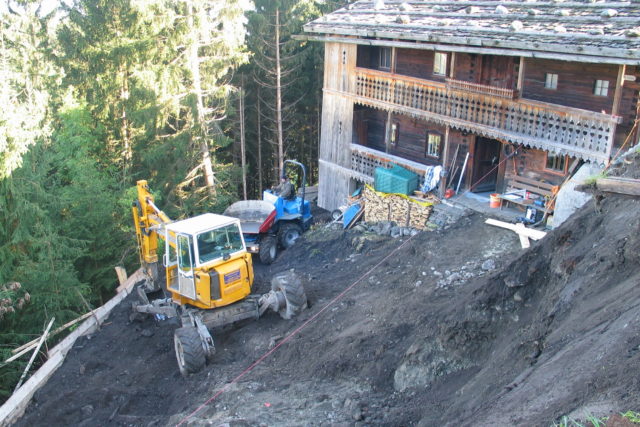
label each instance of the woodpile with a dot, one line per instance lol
(404, 211)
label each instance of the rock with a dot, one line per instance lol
(501, 10)
(512, 282)
(385, 227)
(609, 13)
(406, 231)
(414, 232)
(559, 29)
(633, 32)
(403, 19)
(378, 5)
(534, 12)
(82, 369)
(87, 410)
(418, 283)
(472, 9)
(274, 340)
(147, 332)
(357, 414)
(563, 12)
(437, 273)
(517, 297)
(423, 362)
(488, 265)
(517, 25)
(454, 277)
(405, 7)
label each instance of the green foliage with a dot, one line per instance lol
(632, 416)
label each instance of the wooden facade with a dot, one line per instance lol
(411, 90)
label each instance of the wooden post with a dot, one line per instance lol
(393, 59)
(445, 160)
(387, 133)
(35, 353)
(520, 83)
(452, 74)
(122, 275)
(618, 93)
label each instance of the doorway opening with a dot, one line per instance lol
(485, 165)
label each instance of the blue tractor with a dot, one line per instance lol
(273, 222)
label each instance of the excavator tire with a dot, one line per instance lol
(189, 350)
(288, 234)
(268, 249)
(291, 286)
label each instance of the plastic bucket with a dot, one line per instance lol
(494, 200)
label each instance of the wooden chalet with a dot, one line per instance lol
(415, 82)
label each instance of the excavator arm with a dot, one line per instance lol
(148, 220)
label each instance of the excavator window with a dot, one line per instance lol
(185, 253)
(217, 243)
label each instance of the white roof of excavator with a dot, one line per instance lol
(201, 223)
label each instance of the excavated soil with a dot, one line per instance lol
(455, 327)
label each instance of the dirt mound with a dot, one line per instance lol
(451, 327)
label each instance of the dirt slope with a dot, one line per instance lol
(457, 327)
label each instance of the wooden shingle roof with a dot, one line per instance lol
(605, 30)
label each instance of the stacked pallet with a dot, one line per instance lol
(403, 210)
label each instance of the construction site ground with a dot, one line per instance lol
(456, 326)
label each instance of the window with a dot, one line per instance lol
(394, 132)
(385, 58)
(556, 162)
(433, 145)
(440, 64)
(217, 243)
(551, 81)
(601, 88)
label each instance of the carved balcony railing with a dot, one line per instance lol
(364, 162)
(550, 127)
(453, 84)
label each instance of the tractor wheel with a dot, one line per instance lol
(291, 287)
(288, 234)
(336, 214)
(189, 350)
(268, 249)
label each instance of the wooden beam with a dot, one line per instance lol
(453, 66)
(618, 93)
(528, 232)
(445, 161)
(628, 186)
(524, 240)
(122, 275)
(426, 45)
(520, 84)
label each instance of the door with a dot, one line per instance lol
(171, 262)
(497, 71)
(186, 278)
(485, 165)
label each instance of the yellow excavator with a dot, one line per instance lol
(209, 277)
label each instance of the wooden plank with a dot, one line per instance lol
(524, 240)
(529, 232)
(122, 274)
(618, 92)
(626, 186)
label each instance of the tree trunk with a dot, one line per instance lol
(243, 155)
(200, 125)
(260, 188)
(127, 153)
(279, 98)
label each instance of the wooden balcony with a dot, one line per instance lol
(364, 162)
(564, 130)
(499, 92)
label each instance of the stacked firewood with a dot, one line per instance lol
(404, 211)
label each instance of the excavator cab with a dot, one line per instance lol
(206, 261)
